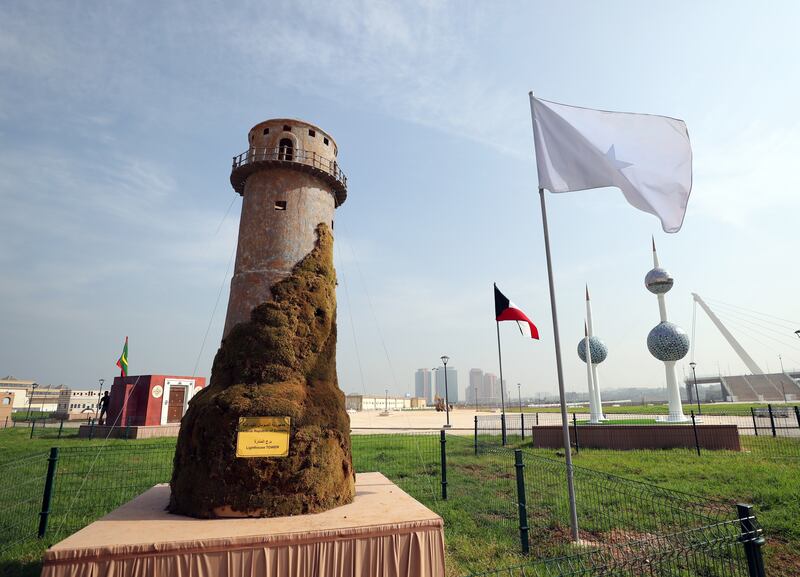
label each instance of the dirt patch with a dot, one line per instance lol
(782, 559)
(281, 363)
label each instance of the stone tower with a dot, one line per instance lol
(290, 182)
(270, 436)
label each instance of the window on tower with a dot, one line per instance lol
(285, 149)
(280, 205)
(311, 132)
(266, 131)
(287, 128)
(325, 140)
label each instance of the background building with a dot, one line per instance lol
(30, 394)
(423, 386)
(357, 402)
(473, 391)
(6, 402)
(147, 400)
(452, 384)
(78, 403)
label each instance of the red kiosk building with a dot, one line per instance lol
(151, 400)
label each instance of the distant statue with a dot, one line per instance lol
(103, 406)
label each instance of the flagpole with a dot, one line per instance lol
(502, 390)
(573, 511)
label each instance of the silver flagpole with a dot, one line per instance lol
(573, 510)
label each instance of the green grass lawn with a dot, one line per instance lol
(20, 416)
(480, 515)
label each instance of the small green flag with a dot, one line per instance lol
(122, 363)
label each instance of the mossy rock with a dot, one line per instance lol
(281, 363)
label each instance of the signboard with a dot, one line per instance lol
(158, 390)
(262, 437)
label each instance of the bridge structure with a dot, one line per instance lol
(758, 386)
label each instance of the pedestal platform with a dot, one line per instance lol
(384, 532)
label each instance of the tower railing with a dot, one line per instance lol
(283, 154)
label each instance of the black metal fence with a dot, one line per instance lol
(511, 501)
(21, 493)
(728, 549)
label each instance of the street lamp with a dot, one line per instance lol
(30, 400)
(783, 386)
(696, 394)
(100, 395)
(445, 358)
(519, 393)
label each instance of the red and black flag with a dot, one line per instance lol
(505, 310)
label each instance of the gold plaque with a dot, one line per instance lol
(262, 437)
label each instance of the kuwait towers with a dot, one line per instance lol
(597, 354)
(667, 341)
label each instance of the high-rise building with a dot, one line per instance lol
(422, 385)
(490, 389)
(452, 384)
(473, 395)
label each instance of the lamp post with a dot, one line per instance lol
(696, 394)
(445, 358)
(99, 396)
(783, 386)
(30, 400)
(519, 394)
(386, 401)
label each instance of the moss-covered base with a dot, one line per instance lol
(282, 363)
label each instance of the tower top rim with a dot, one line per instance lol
(298, 122)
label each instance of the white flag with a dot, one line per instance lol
(647, 157)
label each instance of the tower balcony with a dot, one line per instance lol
(308, 161)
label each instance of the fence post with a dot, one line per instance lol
(755, 425)
(522, 425)
(575, 426)
(60, 428)
(6, 425)
(33, 426)
(443, 445)
(772, 420)
(796, 415)
(503, 427)
(523, 506)
(476, 434)
(696, 439)
(752, 539)
(537, 418)
(47, 497)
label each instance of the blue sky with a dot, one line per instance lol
(118, 121)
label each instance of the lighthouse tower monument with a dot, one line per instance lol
(270, 436)
(290, 182)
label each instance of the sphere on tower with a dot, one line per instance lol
(668, 342)
(597, 349)
(658, 281)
